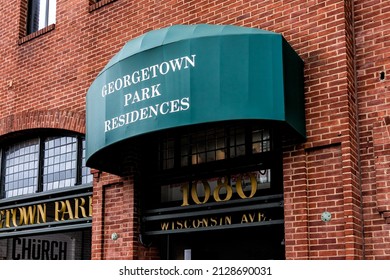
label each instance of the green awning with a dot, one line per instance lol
(187, 75)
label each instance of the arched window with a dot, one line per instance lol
(41, 164)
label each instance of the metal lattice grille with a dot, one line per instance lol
(60, 162)
(21, 168)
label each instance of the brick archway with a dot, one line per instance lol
(56, 119)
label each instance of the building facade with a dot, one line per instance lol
(228, 182)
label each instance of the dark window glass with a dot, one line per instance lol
(214, 145)
(237, 142)
(202, 147)
(261, 141)
(167, 153)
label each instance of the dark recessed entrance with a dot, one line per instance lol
(261, 243)
(216, 194)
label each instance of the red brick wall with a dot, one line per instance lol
(114, 212)
(372, 29)
(44, 81)
(324, 40)
(325, 193)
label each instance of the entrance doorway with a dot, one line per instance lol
(252, 243)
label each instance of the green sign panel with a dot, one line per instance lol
(187, 75)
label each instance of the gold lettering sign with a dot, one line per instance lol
(213, 221)
(27, 215)
(247, 204)
(69, 209)
(222, 187)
